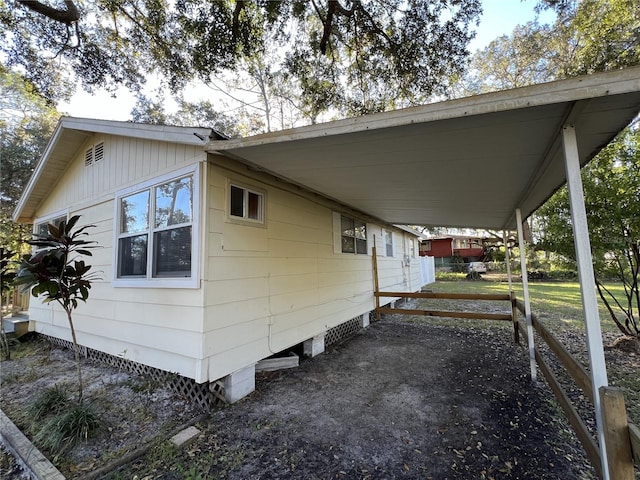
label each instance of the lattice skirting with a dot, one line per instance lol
(206, 395)
(343, 331)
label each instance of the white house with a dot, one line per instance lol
(208, 265)
(218, 253)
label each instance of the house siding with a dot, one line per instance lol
(153, 326)
(270, 287)
(262, 288)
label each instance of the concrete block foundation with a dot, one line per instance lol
(313, 346)
(240, 383)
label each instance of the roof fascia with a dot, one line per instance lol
(566, 90)
(166, 133)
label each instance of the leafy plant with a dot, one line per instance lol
(57, 275)
(52, 400)
(61, 432)
(612, 188)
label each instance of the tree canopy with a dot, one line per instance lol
(26, 123)
(366, 55)
(587, 36)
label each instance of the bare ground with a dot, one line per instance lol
(398, 400)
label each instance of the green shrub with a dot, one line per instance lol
(52, 400)
(450, 276)
(61, 432)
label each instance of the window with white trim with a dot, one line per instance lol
(246, 204)
(42, 228)
(388, 241)
(353, 235)
(155, 231)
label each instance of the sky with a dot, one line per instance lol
(499, 18)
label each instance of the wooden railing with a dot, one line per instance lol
(622, 438)
(512, 317)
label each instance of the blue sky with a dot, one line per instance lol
(499, 18)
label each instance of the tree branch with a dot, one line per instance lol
(67, 16)
(333, 7)
(235, 26)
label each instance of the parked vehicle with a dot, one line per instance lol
(478, 267)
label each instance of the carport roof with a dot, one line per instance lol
(468, 162)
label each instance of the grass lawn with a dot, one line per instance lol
(559, 306)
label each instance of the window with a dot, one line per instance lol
(354, 235)
(426, 245)
(462, 243)
(155, 231)
(42, 227)
(246, 204)
(388, 240)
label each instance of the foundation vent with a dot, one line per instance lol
(343, 331)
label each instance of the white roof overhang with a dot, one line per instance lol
(468, 162)
(70, 136)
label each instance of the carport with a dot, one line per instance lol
(487, 161)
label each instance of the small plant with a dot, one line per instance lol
(52, 400)
(61, 432)
(57, 275)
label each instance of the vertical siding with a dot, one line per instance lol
(268, 288)
(154, 326)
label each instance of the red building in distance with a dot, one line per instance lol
(451, 249)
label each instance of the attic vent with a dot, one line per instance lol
(94, 154)
(88, 157)
(98, 152)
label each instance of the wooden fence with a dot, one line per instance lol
(622, 438)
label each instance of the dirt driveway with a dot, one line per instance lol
(398, 400)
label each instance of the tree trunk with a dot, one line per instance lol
(76, 351)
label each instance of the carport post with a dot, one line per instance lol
(587, 281)
(507, 259)
(514, 309)
(525, 292)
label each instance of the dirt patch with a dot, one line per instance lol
(398, 400)
(134, 410)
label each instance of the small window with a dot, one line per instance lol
(388, 240)
(42, 228)
(462, 243)
(246, 204)
(354, 235)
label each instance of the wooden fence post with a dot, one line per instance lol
(616, 432)
(376, 286)
(514, 317)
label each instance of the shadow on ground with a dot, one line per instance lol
(398, 400)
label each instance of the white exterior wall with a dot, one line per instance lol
(269, 287)
(154, 326)
(263, 288)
